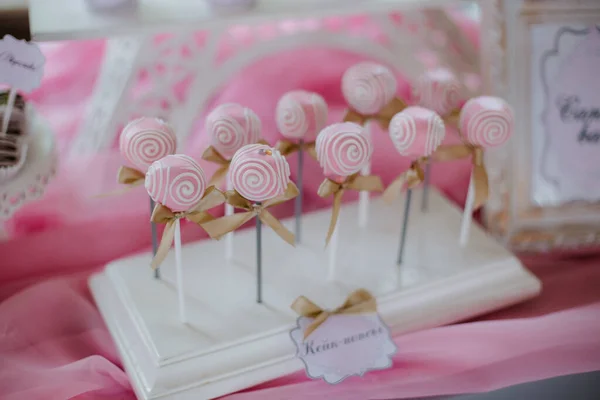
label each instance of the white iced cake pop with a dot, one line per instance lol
(438, 90)
(417, 132)
(301, 115)
(176, 181)
(231, 127)
(259, 172)
(343, 149)
(368, 87)
(146, 140)
(486, 121)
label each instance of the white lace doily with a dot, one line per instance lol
(40, 166)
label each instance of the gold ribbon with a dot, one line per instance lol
(383, 117)
(287, 147)
(453, 118)
(212, 155)
(217, 228)
(198, 215)
(411, 178)
(358, 302)
(130, 176)
(329, 187)
(480, 177)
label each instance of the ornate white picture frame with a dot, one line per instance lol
(541, 56)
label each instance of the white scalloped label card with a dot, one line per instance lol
(344, 346)
(21, 63)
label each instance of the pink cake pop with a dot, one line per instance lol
(259, 172)
(486, 121)
(343, 149)
(176, 182)
(146, 140)
(417, 132)
(301, 115)
(438, 90)
(368, 87)
(232, 126)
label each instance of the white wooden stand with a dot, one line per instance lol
(232, 343)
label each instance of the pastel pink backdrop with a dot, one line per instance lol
(55, 346)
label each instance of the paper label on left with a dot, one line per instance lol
(21, 64)
(344, 346)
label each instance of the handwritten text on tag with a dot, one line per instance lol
(21, 63)
(344, 346)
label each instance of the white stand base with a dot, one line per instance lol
(232, 343)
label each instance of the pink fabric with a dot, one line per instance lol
(54, 345)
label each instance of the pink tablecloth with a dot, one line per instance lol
(55, 346)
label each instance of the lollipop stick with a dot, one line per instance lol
(301, 192)
(258, 260)
(179, 272)
(333, 245)
(229, 236)
(364, 196)
(425, 198)
(465, 226)
(12, 96)
(404, 226)
(154, 239)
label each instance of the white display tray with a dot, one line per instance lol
(232, 343)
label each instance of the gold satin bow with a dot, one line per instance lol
(287, 147)
(130, 176)
(480, 177)
(329, 187)
(358, 302)
(411, 177)
(217, 228)
(383, 117)
(198, 215)
(212, 155)
(453, 118)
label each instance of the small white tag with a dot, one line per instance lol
(21, 63)
(344, 346)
